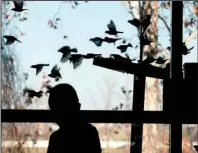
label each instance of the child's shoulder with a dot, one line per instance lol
(90, 128)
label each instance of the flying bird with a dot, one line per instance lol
(66, 53)
(76, 60)
(145, 23)
(55, 73)
(112, 29)
(32, 93)
(97, 41)
(196, 147)
(10, 39)
(135, 22)
(39, 67)
(123, 48)
(91, 55)
(111, 40)
(18, 6)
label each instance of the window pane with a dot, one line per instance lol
(113, 137)
(190, 137)
(190, 30)
(156, 138)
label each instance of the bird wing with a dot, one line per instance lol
(98, 42)
(64, 49)
(39, 69)
(54, 69)
(65, 57)
(78, 62)
(7, 37)
(111, 26)
(8, 42)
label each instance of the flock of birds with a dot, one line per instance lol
(71, 54)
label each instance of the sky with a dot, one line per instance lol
(40, 44)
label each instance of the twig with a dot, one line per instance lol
(164, 21)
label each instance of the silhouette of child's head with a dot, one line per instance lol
(63, 98)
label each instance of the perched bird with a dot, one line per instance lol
(111, 40)
(91, 55)
(39, 67)
(66, 53)
(119, 58)
(161, 60)
(10, 39)
(185, 50)
(196, 147)
(97, 41)
(123, 48)
(146, 22)
(18, 6)
(149, 59)
(112, 29)
(55, 73)
(135, 22)
(76, 59)
(32, 93)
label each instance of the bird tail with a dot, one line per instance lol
(120, 32)
(19, 41)
(46, 64)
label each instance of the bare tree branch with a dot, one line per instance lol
(165, 22)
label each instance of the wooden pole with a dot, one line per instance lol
(176, 73)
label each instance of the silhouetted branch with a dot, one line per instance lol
(165, 23)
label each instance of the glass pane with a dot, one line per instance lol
(155, 138)
(190, 138)
(44, 30)
(190, 30)
(35, 136)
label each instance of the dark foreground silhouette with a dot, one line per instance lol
(75, 135)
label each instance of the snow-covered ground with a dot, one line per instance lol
(44, 144)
